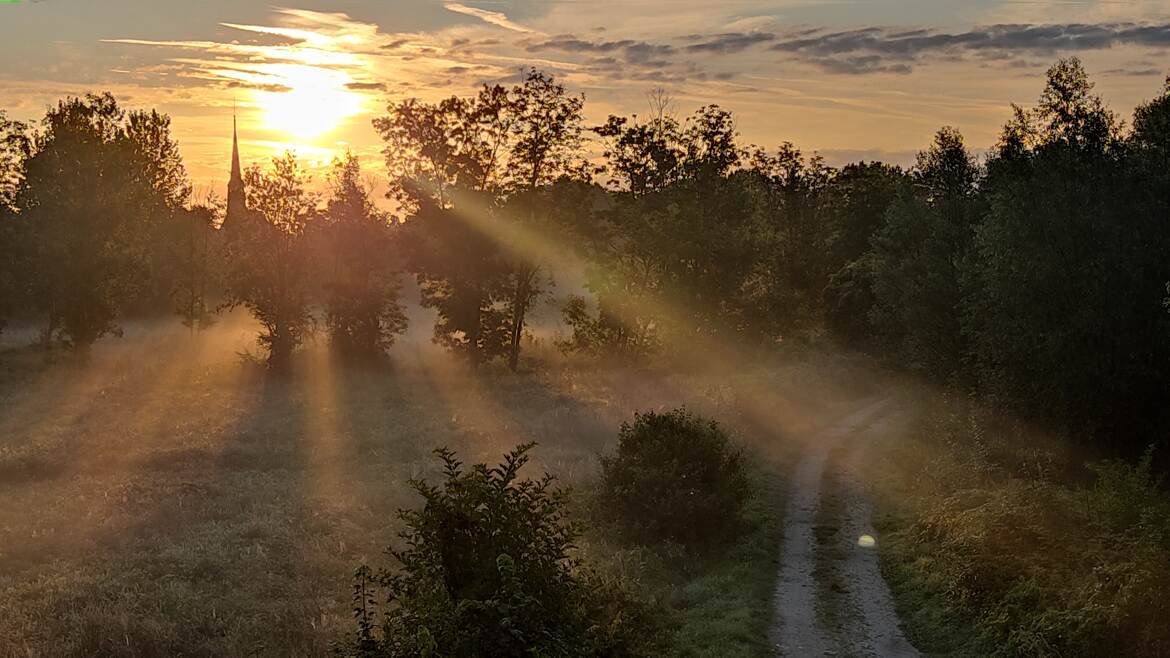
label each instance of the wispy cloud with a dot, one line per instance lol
(730, 42)
(493, 17)
(892, 49)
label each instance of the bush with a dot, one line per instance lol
(486, 571)
(675, 477)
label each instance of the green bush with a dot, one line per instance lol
(486, 571)
(675, 477)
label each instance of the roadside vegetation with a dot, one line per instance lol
(998, 542)
(491, 562)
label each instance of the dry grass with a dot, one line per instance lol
(165, 498)
(991, 551)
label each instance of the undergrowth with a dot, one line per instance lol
(991, 551)
(717, 602)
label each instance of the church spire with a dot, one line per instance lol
(235, 151)
(237, 206)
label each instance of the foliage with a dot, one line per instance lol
(676, 477)
(1068, 279)
(486, 570)
(474, 173)
(860, 195)
(270, 259)
(97, 183)
(1035, 566)
(196, 252)
(919, 256)
(362, 311)
(15, 148)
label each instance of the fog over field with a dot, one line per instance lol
(584, 329)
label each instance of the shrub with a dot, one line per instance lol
(486, 571)
(675, 477)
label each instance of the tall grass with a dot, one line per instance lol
(992, 549)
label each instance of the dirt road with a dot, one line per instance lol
(831, 599)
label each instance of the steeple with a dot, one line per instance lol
(237, 206)
(235, 151)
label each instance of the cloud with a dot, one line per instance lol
(731, 42)
(858, 65)
(631, 51)
(1135, 72)
(887, 49)
(366, 86)
(493, 17)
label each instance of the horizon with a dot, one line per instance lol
(874, 84)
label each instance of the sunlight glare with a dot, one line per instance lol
(316, 103)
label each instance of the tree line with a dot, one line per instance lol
(1035, 276)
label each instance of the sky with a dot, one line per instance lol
(850, 79)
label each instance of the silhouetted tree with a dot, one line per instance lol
(443, 160)
(796, 231)
(361, 285)
(96, 183)
(859, 196)
(270, 265)
(166, 224)
(472, 174)
(919, 256)
(195, 255)
(15, 147)
(672, 247)
(1070, 275)
(545, 145)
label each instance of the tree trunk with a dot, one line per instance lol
(521, 298)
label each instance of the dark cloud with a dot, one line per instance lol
(891, 50)
(396, 44)
(856, 65)
(731, 42)
(1136, 72)
(366, 86)
(868, 49)
(258, 86)
(633, 52)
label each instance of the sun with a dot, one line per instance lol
(314, 101)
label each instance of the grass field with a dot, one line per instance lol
(166, 497)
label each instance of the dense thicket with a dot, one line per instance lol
(1035, 277)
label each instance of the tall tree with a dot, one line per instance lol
(195, 253)
(443, 160)
(358, 266)
(792, 206)
(15, 147)
(166, 223)
(545, 135)
(270, 261)
(673, 246)
(919, 256)
(91, 194)
(472, 175)
(859, 197)
(1070, 276)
